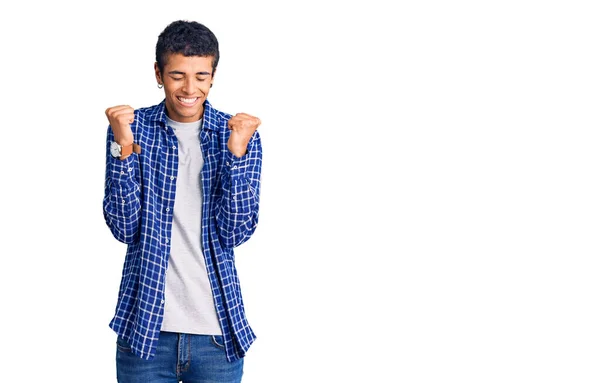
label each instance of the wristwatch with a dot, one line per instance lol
(122, 152)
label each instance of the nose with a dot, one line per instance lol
(188, 87)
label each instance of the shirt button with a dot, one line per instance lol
(122, 172)
(123, 201)
(162, 302)
(174, 147)
(167, 240)
(130, 169)
(172, 178)
(167, 209)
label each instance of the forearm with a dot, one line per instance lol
(238, 207)
(121, 203)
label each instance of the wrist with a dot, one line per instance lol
(238, 150)
(123, 151)
(124, 141)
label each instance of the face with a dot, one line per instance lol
(186, 81)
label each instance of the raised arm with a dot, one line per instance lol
(237, 210)
(121, 203)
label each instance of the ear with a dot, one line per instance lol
(157, 73)
(212, 77)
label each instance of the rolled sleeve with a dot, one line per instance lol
(122, 198)
(238, 213)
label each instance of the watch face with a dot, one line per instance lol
(115, 149)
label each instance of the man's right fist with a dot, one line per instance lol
(120, 118)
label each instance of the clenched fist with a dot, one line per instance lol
(120, 118)
(242, 128)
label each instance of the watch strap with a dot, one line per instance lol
(126, 151)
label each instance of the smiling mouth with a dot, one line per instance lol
(187, 101)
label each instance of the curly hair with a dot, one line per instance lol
(189, 38)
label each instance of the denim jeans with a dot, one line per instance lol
(179, 357)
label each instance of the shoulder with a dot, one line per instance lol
(217, 119)
(151, 112)
(150, 116)
(147, 119)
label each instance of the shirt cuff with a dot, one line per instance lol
(121, 171)
(236, 166)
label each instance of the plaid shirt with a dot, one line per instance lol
(139, 195)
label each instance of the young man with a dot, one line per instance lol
(182, 191)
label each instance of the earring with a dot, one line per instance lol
(211, 85)
(159, 85)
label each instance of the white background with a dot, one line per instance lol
(429, 210)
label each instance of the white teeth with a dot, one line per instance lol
(188, 100)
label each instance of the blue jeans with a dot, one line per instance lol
(179, 357)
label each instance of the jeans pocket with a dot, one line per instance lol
(218, 341)
(122, 345)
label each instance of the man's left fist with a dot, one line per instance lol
(242, 127)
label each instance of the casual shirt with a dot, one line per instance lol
(138, 206)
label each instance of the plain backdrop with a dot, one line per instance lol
(429, 207)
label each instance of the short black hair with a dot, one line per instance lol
(189, 38)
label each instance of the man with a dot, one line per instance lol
(182, 191)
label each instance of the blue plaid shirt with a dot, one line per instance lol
(139, 196)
